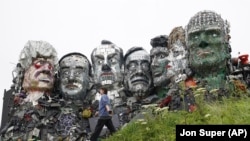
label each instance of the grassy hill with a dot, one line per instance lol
(161, 127)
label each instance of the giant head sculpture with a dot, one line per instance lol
(74, 75)
(207, 37)
(177, 55)
(159, 60)
(138, 79)
(36, 66)
(38, 59)
(107, 60)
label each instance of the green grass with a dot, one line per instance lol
(162, 126)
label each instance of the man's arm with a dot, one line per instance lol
(107, 104)
(107, 107)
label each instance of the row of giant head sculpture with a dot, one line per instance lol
(50, 96)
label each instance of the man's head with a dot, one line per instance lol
(107, 60)
(103, 90)
(159, 61)
(38, 59)
(74, 74)
(138, 77)
(207, 37)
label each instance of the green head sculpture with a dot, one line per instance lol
(207, 38)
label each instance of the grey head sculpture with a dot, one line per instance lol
(74, 76)
(138, 79)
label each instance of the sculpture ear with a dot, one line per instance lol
(91, 82)
(229, 48)
(230, 66)
(57, 76)
(57, 69)
(227, 38)
(125, 80)
(91, 72)
(122, 69)
(90, 86)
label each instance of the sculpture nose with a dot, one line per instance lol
(71, 76)
(203, 44)
(106, 68)
(48, 66)
(154, 62)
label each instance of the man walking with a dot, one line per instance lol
(104, 115)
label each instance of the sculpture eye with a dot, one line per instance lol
(196, 37)
(100, 61)
(77, 73)
(66, 73)
(84, 70)
(112, 60)
(132, 66)
(145, 66)
(215, 35)
(162, 56)
(38, 64)
(176, 53)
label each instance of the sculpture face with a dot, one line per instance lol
(74, 75)
(107, 64)
(38, 60)
(207, 48)
(177, 59)
(138, 74)
(159, 65)
(166, 64)
(40, 75)
(206, 38)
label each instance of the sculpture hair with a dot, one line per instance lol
(177, 33)
(208, 17)
(32, 49)
(159, 41)
(76, 53)
(110, 44)
(35, 49)
(131, 50)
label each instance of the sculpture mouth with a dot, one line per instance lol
(107, 76)
(44, 80)
(139, 80)
(204, 54)
(44, 76)
(157, 73)
(72, 86)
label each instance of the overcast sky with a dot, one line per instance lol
(80, 25)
